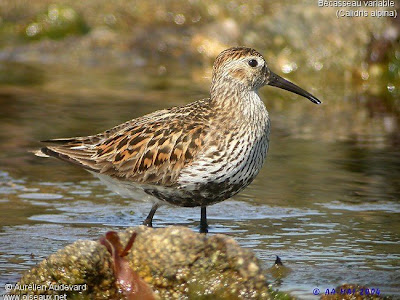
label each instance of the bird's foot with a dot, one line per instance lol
(203, 228)
(148, 223)
(203, 220)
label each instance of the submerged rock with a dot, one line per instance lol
(175, 262)
(279, 270)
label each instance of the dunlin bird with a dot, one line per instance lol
(193, 155)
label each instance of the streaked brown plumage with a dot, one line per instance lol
(151, 149)
(194, 155)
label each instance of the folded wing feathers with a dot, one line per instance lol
(150, 149)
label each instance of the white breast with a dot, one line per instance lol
(238, 156)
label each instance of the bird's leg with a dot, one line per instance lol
(203, 220)
(149, 220)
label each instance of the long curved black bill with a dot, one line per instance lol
(278, 81)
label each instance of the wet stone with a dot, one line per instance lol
(176, 262)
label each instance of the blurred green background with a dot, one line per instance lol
(327, 200)
(353, 64)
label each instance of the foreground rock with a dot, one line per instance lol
(175, 262)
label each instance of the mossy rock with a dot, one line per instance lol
(175, 262)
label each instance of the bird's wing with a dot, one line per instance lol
(152, 149)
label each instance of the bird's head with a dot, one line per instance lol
(245, 68)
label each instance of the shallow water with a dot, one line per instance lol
(327, 204)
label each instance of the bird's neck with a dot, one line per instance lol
(238, 101)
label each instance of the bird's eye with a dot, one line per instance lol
(253, 63)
